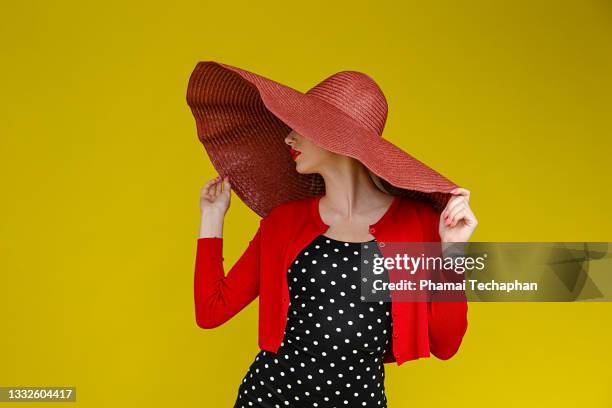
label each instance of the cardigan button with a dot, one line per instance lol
(372, 230)
(395, 335)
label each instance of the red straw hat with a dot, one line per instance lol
(242, 119)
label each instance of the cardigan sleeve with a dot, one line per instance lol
(219, 297)
(447, 320)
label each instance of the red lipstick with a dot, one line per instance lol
(295, 153)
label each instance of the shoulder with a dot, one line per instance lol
(289, 209)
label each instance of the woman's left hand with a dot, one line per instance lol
(457, 221)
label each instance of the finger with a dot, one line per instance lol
(461, 192)
(461, 215)
(209, 190)
(211, 182)
(452, 216)
(223, 183)
(217, 189)
(453, 213)
(205, 195)
(458, 217)
(227, 184)
(205, 191)
(470, 218)
(467, 217)
(220, 186)
(452, 203)
(208, 184)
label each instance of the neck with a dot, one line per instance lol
(349, 188)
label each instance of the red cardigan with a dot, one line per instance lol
(419, 328)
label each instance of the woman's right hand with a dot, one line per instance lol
(212, 199)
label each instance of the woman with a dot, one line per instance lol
(322, 344)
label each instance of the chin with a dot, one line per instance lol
(302, 170)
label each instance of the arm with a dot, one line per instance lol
(447, 326)
(447, 320)
(219, 297)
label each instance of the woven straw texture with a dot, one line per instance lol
(242, 119)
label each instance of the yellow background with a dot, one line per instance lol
(101, 171)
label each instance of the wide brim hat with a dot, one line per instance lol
(243, 118)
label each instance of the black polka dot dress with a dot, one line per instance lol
(334, 342)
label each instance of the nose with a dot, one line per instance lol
(290, 140)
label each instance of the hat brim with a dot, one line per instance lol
(242, 119)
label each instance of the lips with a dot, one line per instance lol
(294, 153)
